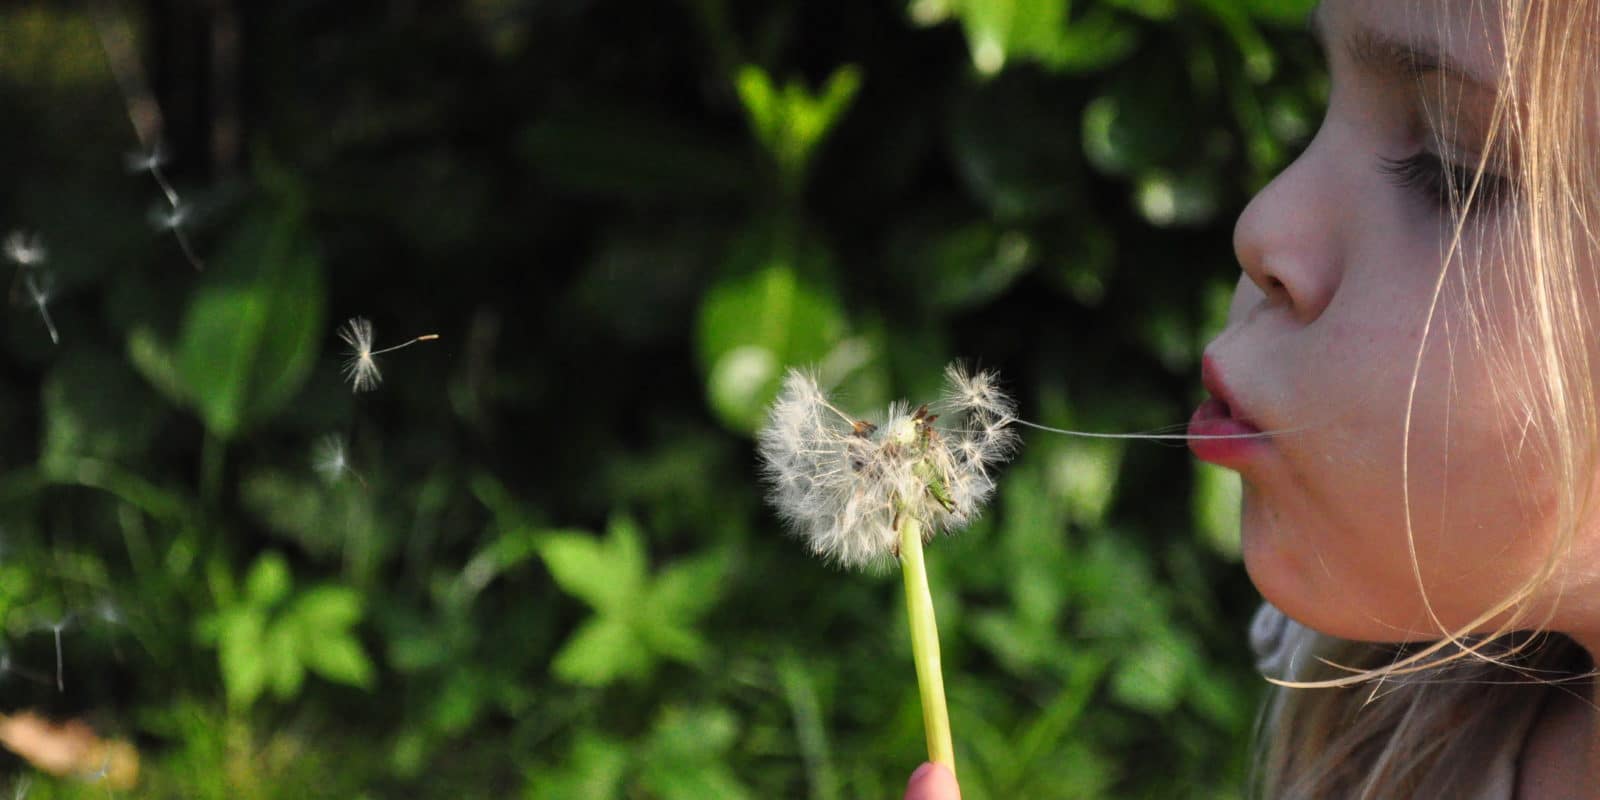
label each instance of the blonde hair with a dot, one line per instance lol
(1414, 720)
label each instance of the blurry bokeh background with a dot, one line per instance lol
(544, 568)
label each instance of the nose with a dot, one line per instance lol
(1286, 238)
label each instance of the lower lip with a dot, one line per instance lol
(1212, 418)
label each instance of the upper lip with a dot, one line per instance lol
(1211, 377)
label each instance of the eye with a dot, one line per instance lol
(1438, 181)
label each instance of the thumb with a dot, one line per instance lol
(932, 782)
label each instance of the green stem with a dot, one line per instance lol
(925, 645)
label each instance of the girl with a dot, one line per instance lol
(1415, 336)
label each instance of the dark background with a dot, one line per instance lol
(548, 571)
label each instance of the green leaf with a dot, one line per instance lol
(603, 650)
(594, 770)
(297, 509)
(281, 649)
(239, 654)
(1151, 677)
(251, 333)
(688, 735)
(1020, 645)
(791, 122)
(673, 640)
(1111, 580)
(684, 757)
(509, 549)
(459, 703)
(1037, 30)
(752, 327)
(694, 781)
(1259, 61)
(268, 582)
(339, 658)
(625, 549)
(1216, 508)
(154, 361)
(578, 564)
(686, 589)
(328, 609)
(966, 267)
(607, 574)
(1085, 476)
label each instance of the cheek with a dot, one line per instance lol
(1339, 531)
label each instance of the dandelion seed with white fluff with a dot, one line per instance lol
(331, 460)
(24, 249)
(862, 492)
(28, 252)
(360, 367)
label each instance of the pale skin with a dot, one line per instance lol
(1340, 268)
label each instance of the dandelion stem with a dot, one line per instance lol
(925, 644)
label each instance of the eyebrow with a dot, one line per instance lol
(1382, 53)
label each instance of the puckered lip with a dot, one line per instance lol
(1211, 377)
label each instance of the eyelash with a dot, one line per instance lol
(1436, 180)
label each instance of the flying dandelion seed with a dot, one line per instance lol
(164, 218)
(107, 612)
(56, 628)
(360, 367)
(331, 460)
(139, 161)
(39, 287)
(25, 249)
(844, 483)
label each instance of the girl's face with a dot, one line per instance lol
(1343, 256)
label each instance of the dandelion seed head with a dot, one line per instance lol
(844, 483)
(359, 367)
(25, 249)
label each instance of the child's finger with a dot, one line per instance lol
(932, 782)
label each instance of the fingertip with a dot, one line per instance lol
(932, 781)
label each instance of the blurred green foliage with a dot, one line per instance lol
(543, 567)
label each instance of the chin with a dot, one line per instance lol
(1288, 573)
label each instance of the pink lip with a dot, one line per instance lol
(1220, 415)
